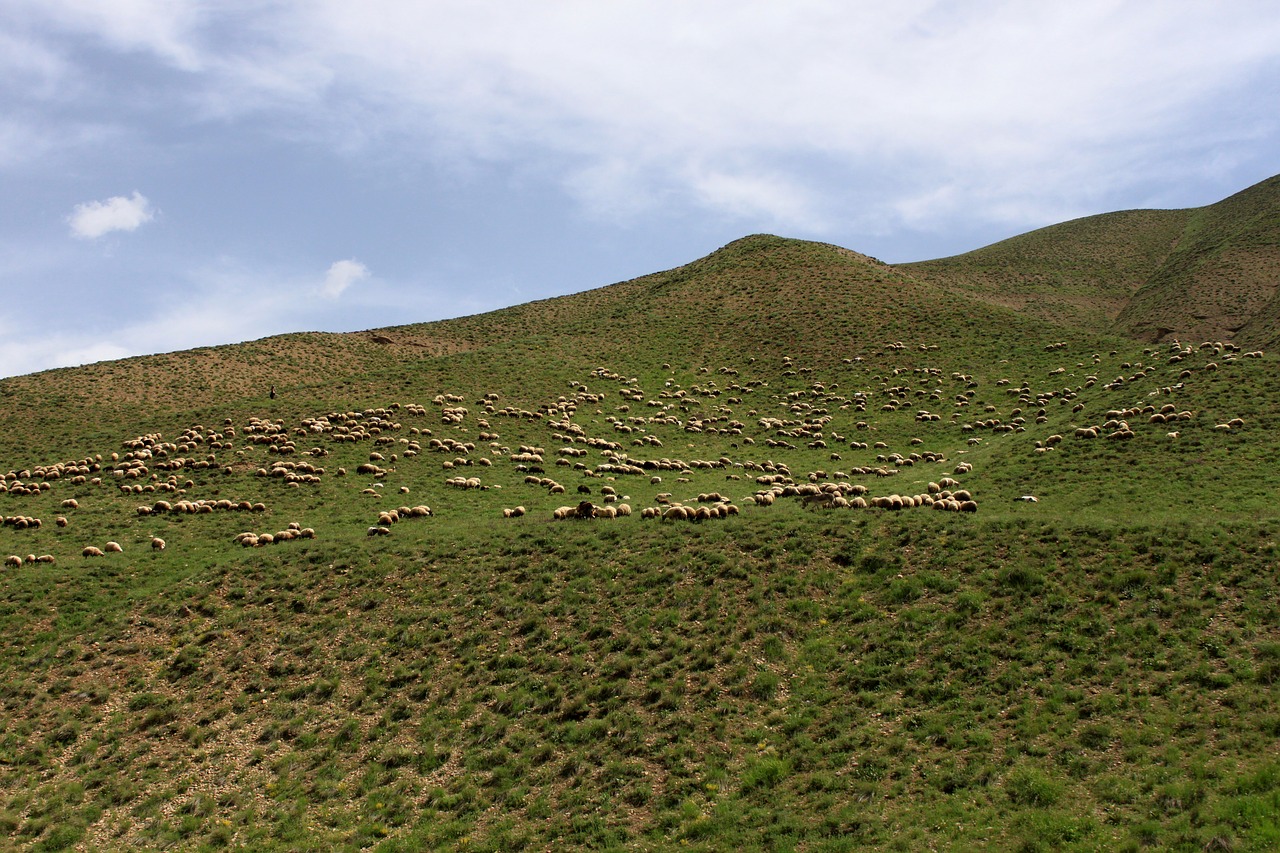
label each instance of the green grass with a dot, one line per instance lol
(1093, 671)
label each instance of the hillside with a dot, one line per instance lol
(1209, 273)
(1221, 278)
(826, 620)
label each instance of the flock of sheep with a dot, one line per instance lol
(609, 435)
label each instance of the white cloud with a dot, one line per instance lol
(983, 97)
(93, 219)
(771, 198)
(341, 275)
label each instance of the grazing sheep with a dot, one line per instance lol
(1031, 499)
(91, 551)
(378, 531)
(45, 558)
(61, 521)
(13, 560)
(157, 544)
(113, 547)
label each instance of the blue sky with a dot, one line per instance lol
(181, 174)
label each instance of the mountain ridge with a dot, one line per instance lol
(1151, 275)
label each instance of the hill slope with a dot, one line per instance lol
(1221, 277)
(1205, 274)
(827, 621)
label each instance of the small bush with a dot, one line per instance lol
(1027, 786)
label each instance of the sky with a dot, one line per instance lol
(183, 174)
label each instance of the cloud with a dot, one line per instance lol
(341, 275)
(984, 99)
(94, 218)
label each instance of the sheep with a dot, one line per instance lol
(61, 521)
(1028, 499)
(113, 547)
(157, 544)
(91, 551)
(45, 558)
(13, 560)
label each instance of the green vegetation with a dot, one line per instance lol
(1094, 670)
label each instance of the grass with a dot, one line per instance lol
(1095, 670)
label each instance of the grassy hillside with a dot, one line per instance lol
(1210, 273)
(785, 670)
(1080, 273)
(1223, 272)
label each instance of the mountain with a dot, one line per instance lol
(784, 548)
(1209, 273)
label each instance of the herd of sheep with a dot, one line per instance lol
(616, 433)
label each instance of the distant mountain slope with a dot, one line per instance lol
(1078, 273)
(1208, 273)
(761, 294)
(1220, 278)
(1204, 273)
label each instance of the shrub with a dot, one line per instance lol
(1027, 786)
